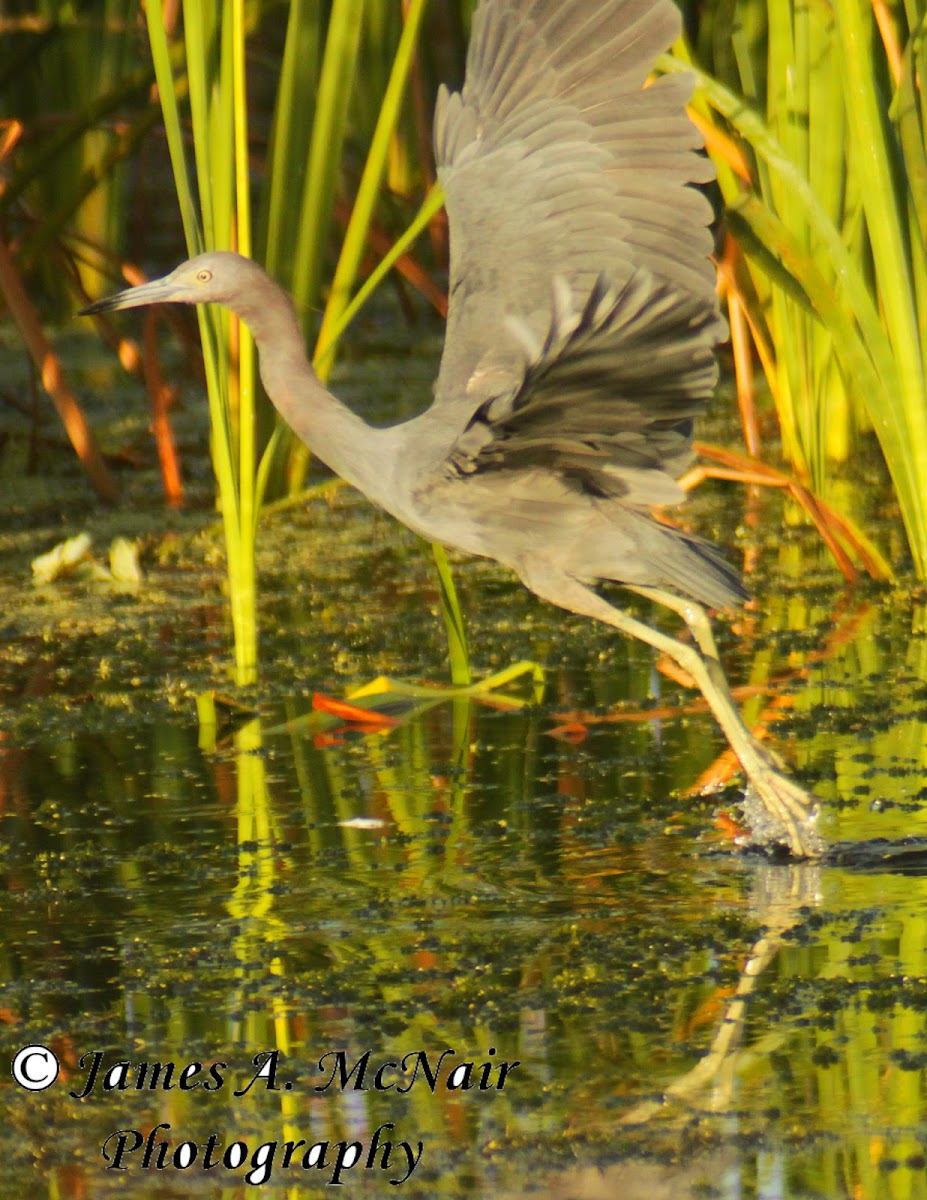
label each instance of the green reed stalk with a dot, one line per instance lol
(291, 132)
(885, 200)
(307, 148)
(336, 85)
(214, 38)
(431, 206)
(247, 381)
(355, 239)
(458, 656)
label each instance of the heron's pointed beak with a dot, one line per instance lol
(158, 291)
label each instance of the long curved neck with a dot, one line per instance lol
(353, 449)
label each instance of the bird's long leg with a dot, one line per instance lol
(699, 624)
(693, 614)
(791, 809)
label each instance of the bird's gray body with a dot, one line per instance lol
(582, 309)
(580, 336)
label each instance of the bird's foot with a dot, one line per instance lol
(778, 810)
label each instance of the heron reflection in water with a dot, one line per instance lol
(579, 348)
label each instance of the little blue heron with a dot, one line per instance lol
(579, 342)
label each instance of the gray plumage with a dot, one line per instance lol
(580, 335)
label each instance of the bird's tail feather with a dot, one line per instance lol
(687, 565)
(698, 569)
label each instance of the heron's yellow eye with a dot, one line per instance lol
(203, 276)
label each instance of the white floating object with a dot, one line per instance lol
(61, 560)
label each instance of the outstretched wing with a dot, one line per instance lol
(557, 163)
(607, 400)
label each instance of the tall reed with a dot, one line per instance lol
(219, 218)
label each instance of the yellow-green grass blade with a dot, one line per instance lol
(169, 94)
(800, 279)
(336, 84)
(461, 675)
(247, 458)
(910, 118)
(430, 207)
(885, 218)
(355, 238)
(291, 133)
(170, 91)
(207, 30)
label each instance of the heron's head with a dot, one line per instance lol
(220, 277)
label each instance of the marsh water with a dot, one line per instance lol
(475, 945)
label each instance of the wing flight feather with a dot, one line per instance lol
(557, 162)
(607, 401)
